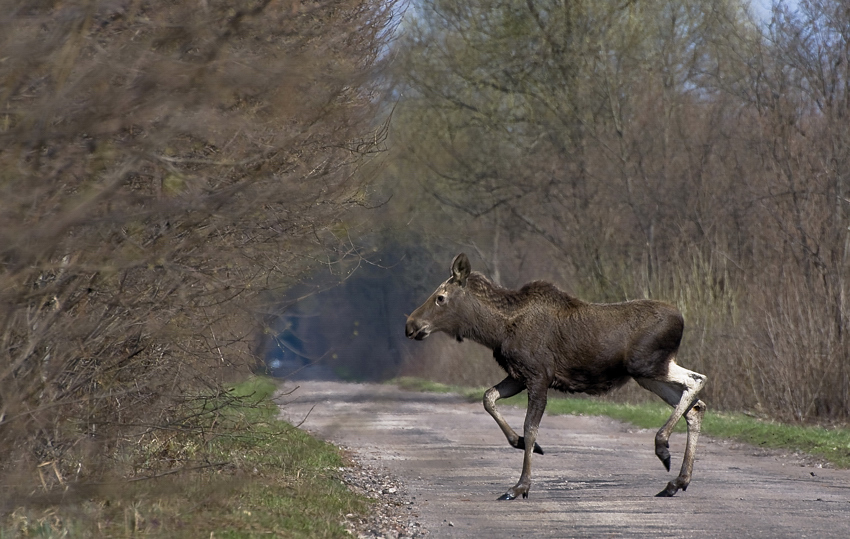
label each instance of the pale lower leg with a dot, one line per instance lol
(694, 418)
(679, 388)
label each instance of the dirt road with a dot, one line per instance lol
(598, 477)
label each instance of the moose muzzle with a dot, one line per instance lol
(414, 329)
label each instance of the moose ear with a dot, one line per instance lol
(460, 269)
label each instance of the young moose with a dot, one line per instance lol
(545, 338)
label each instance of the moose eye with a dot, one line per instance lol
(441, 299)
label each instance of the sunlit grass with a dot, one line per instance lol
(830, 444)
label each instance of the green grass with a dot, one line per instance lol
(270, 479)
(830, 444)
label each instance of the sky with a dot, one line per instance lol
(762, 7)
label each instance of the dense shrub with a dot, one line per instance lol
(163, 166)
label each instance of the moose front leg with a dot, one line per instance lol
(536, 406)
(504, 389)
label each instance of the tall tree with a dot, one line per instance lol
(564, 119)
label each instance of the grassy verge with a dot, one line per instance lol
(830, 444)
(264, 478)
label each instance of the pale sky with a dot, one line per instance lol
(762, 7)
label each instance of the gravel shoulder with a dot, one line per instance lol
(436, 465)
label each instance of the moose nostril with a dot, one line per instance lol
(413, 329)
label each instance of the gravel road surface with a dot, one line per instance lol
(447, 462)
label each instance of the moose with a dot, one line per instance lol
(544, 338)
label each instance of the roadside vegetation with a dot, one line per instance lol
(167, 170)
(830, 444)
(253, 475)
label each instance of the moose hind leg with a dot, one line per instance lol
(504, 389)
(679, 388)
(694, 419)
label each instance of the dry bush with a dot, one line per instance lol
(162, 165)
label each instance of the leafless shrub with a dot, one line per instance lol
(161, 165)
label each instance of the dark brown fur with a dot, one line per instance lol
(544, 338)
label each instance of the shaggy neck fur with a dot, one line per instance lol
(496, 306)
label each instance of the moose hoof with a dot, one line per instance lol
(663, 454)
(668, 492)
(520, 444)
(512, 493)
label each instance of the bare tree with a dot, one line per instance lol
(793, 83)
(565, 121)
(161, 166)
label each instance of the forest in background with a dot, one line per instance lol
(679, 150)
(173, 174)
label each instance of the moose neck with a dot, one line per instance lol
(490, 310)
